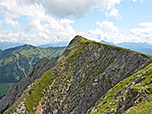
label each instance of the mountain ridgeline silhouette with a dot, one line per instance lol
(89, 77)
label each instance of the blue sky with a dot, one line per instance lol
(41, 22)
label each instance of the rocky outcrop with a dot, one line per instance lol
(128, 93)
(96, 70)
(83, 74)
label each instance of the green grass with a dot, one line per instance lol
(80, 47)
(106, 66)
(34, 95)
(108, 104)
(142, 108)
(4, 88)
(15, 63)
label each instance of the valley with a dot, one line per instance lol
(16, 63)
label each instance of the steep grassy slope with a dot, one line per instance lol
(15, 63)
(132, 95)
(82, 75)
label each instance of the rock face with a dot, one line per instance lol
(132, 95)
(79, 78)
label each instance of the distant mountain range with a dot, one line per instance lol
(58, 44)
(139, 47)
(7, 45)
(15, 63)
(105, 42)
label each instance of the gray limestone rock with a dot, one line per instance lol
(84, 72)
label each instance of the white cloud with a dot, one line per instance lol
(38, 11)
(143, 33)
(138, 0)
(59, 8)
(109, 32)
(96, 34)
(10, 36)
(114, 13)
(11, 22)
(146, 24)
(106, 31)
(61, 30)
(54, 30)
(77, 8)
(108, 26)
(134, 0)
(0, 23)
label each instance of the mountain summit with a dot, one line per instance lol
(77, 81)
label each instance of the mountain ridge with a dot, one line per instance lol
(15, 63)
(82, 75)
